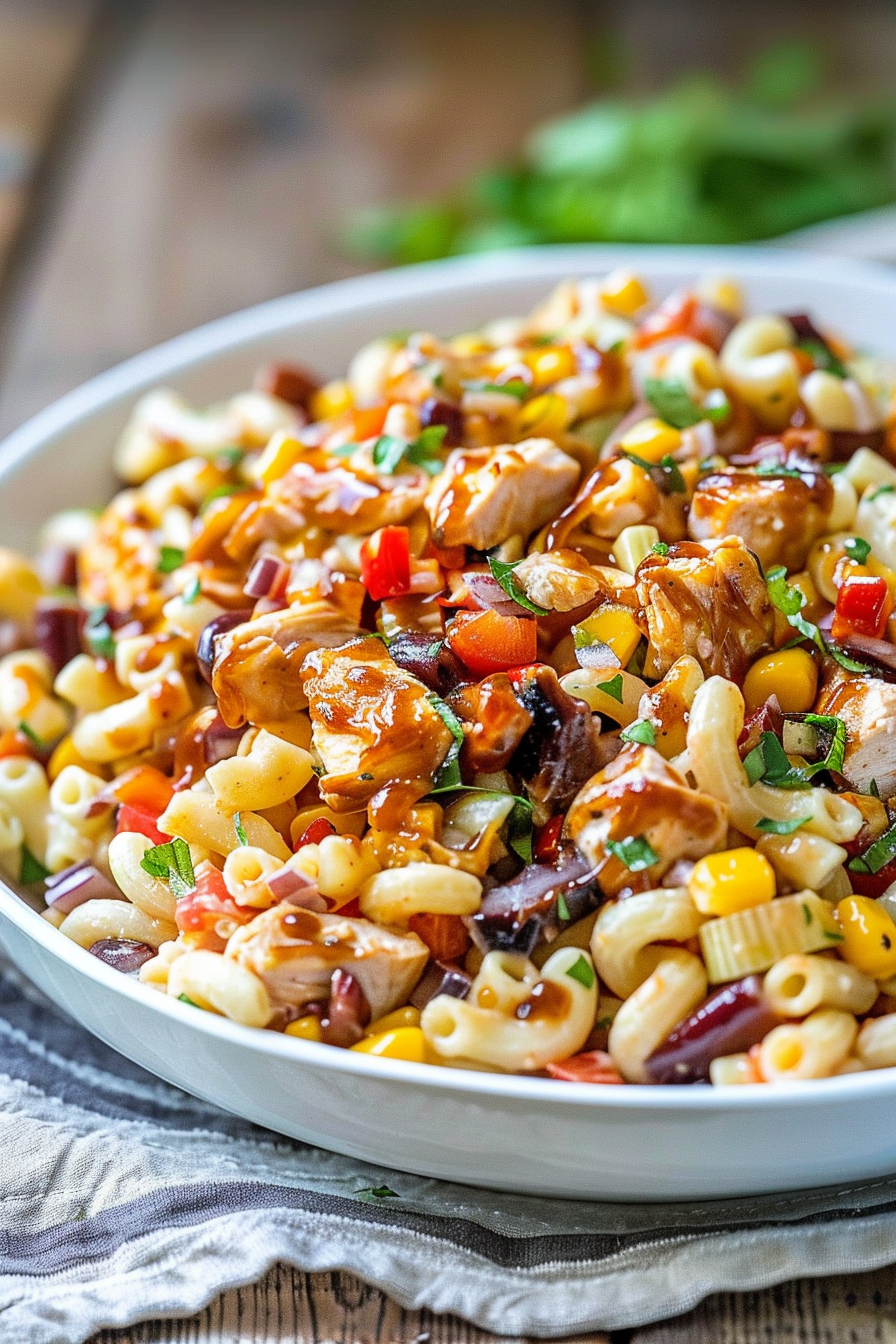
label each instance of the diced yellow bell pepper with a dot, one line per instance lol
(869, 936)
(550, 364)
(651, 439)
(738, 879)
(613, 626)
(67, 754)
(790, 674)
(401, 1017)
(305, 1028)
(282, 452)
(547, 414)
(331, 399)
(622, 292)
(401, 1043)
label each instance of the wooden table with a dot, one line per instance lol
(167, 161)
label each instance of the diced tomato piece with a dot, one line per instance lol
(386, 563)
(318, 830)
(863, 605)
(209, 913)
(449, 557)
(351, 909)
(547, 845)
(488, 642)
(367, 421)
(132, 818)
(682, 314)
(15, 743)
(445, 935)
(594, 1066)
(144, 787)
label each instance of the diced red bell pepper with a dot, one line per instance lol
(316, 831)
(16, 743)
(144, 787)
(594, 1066)
(386, 563)
(445, 935)
(487, 642)
(863, 605)
(205, 914)
(139, 819)
(547, 845)
(682, 314)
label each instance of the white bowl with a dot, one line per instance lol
(512, 1133)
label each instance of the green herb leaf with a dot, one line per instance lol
(788, 599)
(769, 761)
(829, 723)
(878, 854)
(423, 452)
(776, 469)
(674, 478)
(449, 775)
(388, 452)
(672, 402)
(807, 913)
(562, 908)
(613, 687)
(882, 490)
(636, 852)
(192, 592)
(98, 634)
(857, 548)
(519, 830)
(30, 734)
(583, 971)
(772, 827)
(185, 998)
(660, 548)
(170, 558)
(240, 828)
(171, 863)
(32, 870)
(219, 492)
(372, 1192)
(232, 455)
(823, 357)
(514, 387)
(642, 730)
(502, 572)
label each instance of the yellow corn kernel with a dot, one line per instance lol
(282, 452)
(738, 879)
(20, 586)
(67, 754)
(791, 675)
(651, 439)
(550, 364)
(633, 545)
(469, 343)
(331, 399)
(401, 1043)
(547, 414)
(613, 626)
(869, 936)
(401, 1017)
(623, 293)
(305, 1028)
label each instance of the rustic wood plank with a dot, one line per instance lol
(289, 1307)
(222, 162)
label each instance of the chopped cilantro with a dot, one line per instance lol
(636, 852)
(192, 592)
(768, 761)
(857, 548)
(171, 863)
(823, 357)
(389, 451)
(613, 687)
(240, 828)
(878, 854)
(772, 827)
(674, 479)
(502, 573)
(514, 387)
(642, 730)
(185, 998)
(562, 907)
(583, 971)
(882, 490)
(777, 469)
(98, 634)
(31, 735)
(788, 599)
(449, 775)
(170, 558)
(660, 548)
(32, 870)
(519, 829)
(672, 402)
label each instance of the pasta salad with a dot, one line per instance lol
(522, 701)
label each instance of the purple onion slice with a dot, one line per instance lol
(76, 885)
(267, 577)
(288, 884)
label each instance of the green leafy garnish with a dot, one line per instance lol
(660, 548)
(788, 599)
(192, 592)
(878, 854)
(642, 730)
(823, 357)
(613, 687)
(514, 387)
(857, 548)
(563, 908)
(882, 490)
(32, 870)
(171, 863)
(768, 761)
(233, 454)
(807, 913)
(371, 1192)
(389, 451)
(665, 474)
(449, 775)
(31, 735)
(583, 971)
(502, 572)
(636, 852)
(519, 829)
(219, 492)
(829, 723)
(185, 998)
(170, 558)
(240, 828)
(772, 827)
(873, 789)
(672, 402)
(777, 469)
(98, 634)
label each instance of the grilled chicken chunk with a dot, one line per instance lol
(485, 495)
(256, 669)
(640, 797)
(372, 721)
(868, 708)
(710, 602)
(356, 499)
(778, 518)
(563, 580)
(295, 952)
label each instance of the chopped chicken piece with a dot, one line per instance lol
(373, 723)
(710, 602)
(563, 580)
(868, 708)
(636, 798)
(778, 518)
(485, 495)
(355, 500)
(295, 952)
(619, 494)
(256, 668)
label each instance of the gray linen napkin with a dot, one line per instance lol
(122, 1198)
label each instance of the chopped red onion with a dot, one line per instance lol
(288, 884)
(487, 591)
(76, 885)
(57, 630)
(441, 977)
(267, 577)
(220, 742)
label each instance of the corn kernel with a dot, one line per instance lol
(469, 343)
(20, 586)
(550, 364)
(282, 452)
(738, 879)
(332, 399)
(651, 439)
(623, 293)
(67, 754)
(547, 414)
(791, 675)
(401, 1017)
(402, 1043)
(304, 1028)
(869, 936)
(613, 626)
(633, 545)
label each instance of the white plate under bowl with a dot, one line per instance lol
(512, 1133)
